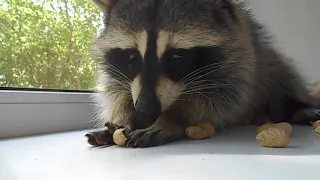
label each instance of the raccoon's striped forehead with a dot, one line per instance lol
(161, 40)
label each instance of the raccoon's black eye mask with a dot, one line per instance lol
(189, 60)
(128, 61)
(174, 64)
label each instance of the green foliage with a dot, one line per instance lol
(47, 43)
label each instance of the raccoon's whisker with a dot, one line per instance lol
(204, 90)
(120, 90)
(201, 82)
(210, 98)
(223, 99)
(191, 78)
(119, 75)
(202, 69)
(203, 94)
(209, 85)
(200, 93)
(199, 69)
(120, 81)
(198, 77)
(197, 92)
(117, 90)
(179, 99)
(205, 87)
(194, 91)
(122, 84)
(116, 69)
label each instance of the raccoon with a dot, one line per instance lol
(168, 64)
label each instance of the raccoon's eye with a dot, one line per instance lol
(132, 57)
(175, 58)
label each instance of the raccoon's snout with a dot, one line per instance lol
(147, 103)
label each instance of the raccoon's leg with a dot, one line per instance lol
(311, 113)
(302, 109)
(295, 113)
(166, 129)
(306, 116)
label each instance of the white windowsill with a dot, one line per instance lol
(24, 113)
(231, 155)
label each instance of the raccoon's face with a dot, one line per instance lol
(161, 49)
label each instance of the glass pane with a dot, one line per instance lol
(47, 43)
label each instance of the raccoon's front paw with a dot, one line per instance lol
(142, 138)
(100, 138)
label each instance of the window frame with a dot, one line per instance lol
(25, 112)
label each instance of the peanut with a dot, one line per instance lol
(201, 131)
(274, 135)
(316, 126)
(119, 137)
(317, 132)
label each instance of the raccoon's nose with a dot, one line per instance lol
(148, 105)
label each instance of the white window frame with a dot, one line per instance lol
(24, 112)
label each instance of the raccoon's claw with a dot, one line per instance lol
(100, 138)
(142, 138)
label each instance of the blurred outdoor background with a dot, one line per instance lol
(47, 43)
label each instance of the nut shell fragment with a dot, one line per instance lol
(119, 137)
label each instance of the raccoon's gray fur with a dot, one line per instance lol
(168, 64)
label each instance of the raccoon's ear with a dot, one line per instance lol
(105, 5)
(228, 6)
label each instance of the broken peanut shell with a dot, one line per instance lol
(119, 137)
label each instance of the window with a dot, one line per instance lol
(46, 70)
(47, 43)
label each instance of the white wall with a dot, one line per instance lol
(295, 24)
